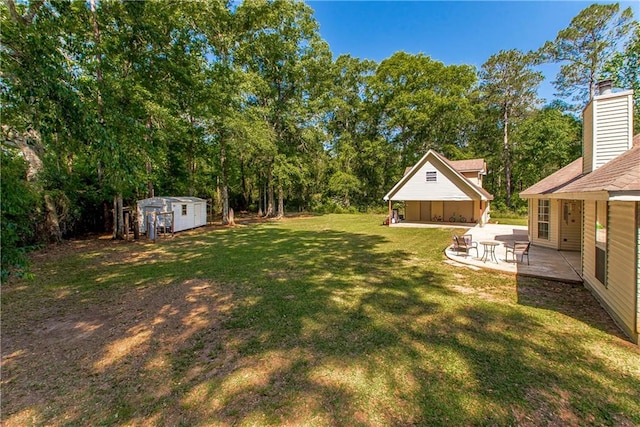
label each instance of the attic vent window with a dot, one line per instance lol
(432, 176)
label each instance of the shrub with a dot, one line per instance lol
(19, 211)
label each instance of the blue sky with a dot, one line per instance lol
(454, 32)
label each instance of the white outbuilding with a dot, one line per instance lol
(172, 213)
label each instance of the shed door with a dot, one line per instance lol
(425, 211)
(197, 214)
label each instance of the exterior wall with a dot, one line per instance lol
(619, 296)
(613, 131)
(587, 139)
(196, 212)
(425, 211)
(474, 177)
(457, 209)
(447, 186)
(638, 268)
(570, 225)
(554, 224)
(412, 211)
(184, 222)
(437, 209)
(608, 128)
(485, 215)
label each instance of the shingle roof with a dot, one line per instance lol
(556, 180)
(470, 165)
(457, 163)
(619, 174)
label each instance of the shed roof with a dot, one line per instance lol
(470, 165)
(175, 199)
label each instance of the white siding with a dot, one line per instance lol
(447, 186)
(196, 211)
(619, 296)
(613, 127)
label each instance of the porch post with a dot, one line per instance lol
(390, 212)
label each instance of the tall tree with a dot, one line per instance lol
(624, 69)
(509, 86)
(584, 47)
(282, 47)
(425, 104)
(548, 140)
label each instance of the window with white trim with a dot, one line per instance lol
(602, 213)
(543, 219)
(184, 210)
(432, 176)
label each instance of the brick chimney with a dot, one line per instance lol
(607, 126)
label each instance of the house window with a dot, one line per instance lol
(543, 219)
(184, 210)
(602, 211)
(432, 176)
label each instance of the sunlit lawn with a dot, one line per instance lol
(328, 320)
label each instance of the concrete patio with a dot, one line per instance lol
(544, 263)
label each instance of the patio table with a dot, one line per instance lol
(489, 251)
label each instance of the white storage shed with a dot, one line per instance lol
(188, 212)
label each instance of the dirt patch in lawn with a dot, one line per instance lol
(104, 350)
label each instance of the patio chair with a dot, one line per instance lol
(465, 243)
(518, 248)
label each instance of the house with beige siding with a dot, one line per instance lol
(593, 206)
(436, 189)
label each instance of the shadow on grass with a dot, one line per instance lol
(569, 299)
(268, 325)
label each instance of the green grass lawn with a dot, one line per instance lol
(508, 218)
(327, 320)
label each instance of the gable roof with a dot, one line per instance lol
(556, 180)
(445, 163)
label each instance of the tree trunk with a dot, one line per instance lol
(52, 221)
(270, 198)
(150, 189)
(118, 218)
(507, 159)
(149, 166)
(225, 205)
(136, 224)
(245, 190)
(260, 199)
(225, 188)
(280, 202)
